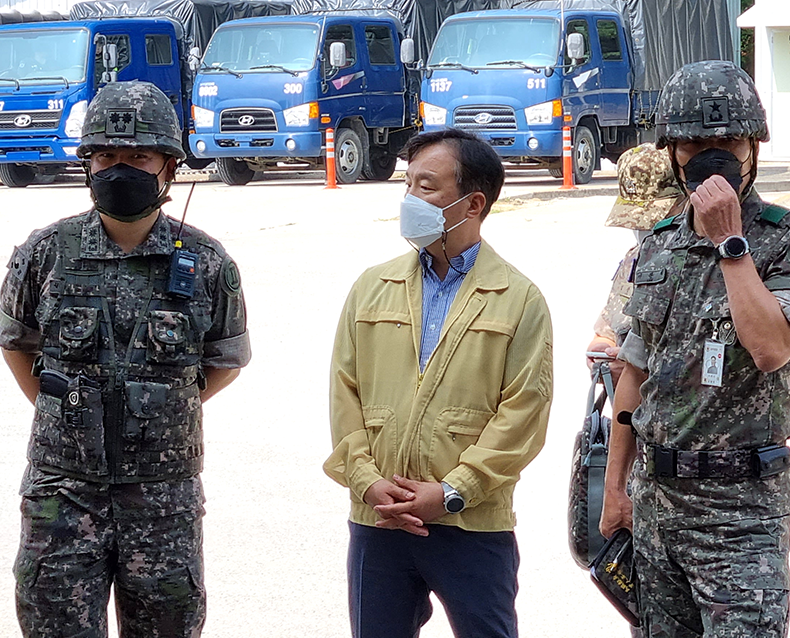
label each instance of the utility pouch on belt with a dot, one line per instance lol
(613, 572)
(53, 383)
(770, 460)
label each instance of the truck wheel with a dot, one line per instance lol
(349, 156)
(556, 172)
(17, 175)
(380, 165)
(234, 172)
(585, 155)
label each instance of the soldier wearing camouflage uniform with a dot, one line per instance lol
(118, 367)
(648, 192)
(710, 496)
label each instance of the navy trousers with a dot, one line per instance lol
(391, 573)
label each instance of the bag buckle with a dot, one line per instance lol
(665, 462)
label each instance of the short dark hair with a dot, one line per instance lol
(478, 167)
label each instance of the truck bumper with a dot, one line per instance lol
(547, 143)
(38, 150)
(210, 145)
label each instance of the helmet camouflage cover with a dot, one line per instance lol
(709, 99)
(131, 114)
(647, 188)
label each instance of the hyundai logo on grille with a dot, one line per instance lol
(23, 120)
(246, 120)
(484, 118)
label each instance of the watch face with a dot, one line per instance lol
(735, 247)
(454, 504)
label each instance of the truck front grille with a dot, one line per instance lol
(247, 121)
(27, 120)
(485, 118)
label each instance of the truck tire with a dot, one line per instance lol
(349, 156)
(585, 155)
(234, 172)
(380, 165)
(17, 175)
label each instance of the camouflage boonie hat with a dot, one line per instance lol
(709, 99)
(647, 188)
(131, 114)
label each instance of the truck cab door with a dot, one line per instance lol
(615, 76)
(385, 78)
(342, 89)
(581, 82)
(162, 68)
(123, 44)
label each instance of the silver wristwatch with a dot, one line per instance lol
(453, 501)
(734, 247)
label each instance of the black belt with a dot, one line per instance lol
(663, 462)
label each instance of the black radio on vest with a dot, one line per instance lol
(183, 264)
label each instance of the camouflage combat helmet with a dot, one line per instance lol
(131, 114)
(647, 188)
(709, 99)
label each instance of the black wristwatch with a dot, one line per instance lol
(734, 247)
(453, 501)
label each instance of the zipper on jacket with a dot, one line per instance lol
(419, 379)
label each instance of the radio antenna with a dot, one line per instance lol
(184, 216)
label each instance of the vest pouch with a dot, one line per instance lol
(79, 335)
(83, 420)
(167, 337)
(145, 403)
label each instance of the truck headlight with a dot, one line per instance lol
(203, 118)
(543, 113)
(76, 119)
(301, 115)
(433, 115)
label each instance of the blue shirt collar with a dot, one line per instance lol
(462, 262)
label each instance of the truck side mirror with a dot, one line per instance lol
(110, 56)
(407, 51)
(574, 44)
(193, 60)
(337, 55)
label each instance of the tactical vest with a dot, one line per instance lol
(132, 410)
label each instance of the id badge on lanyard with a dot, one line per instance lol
(713, 353)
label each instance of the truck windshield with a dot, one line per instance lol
(267, 48)
(497, 43)
(48, 56)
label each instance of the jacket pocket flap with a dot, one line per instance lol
(713, 308)
(378, 416)
(78, 323)
(146, 400)
(372, 315)
(487, 325)
(650, 275)
(167, 326)
(647, 307)
(464, 420)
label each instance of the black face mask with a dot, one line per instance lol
(127, 193)
(713, 161)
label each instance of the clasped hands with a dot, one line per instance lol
(405, 504)
(717, 210)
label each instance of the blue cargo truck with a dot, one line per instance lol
(49, 71)
(269, 88)
(517, 76)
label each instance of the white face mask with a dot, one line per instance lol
(422, 223)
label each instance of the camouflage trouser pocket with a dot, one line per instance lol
(79, 334)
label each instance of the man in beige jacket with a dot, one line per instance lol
(441, 384)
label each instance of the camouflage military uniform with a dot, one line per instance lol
(711, 552)
(648, 191)
(112, 494)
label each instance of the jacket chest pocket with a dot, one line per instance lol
(79, 335)
(169, 338)
(651, 297)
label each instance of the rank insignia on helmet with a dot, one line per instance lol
(120, 123)
(715, 111)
